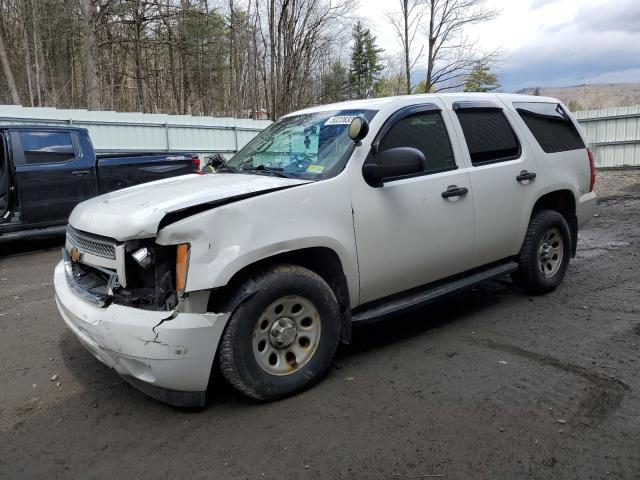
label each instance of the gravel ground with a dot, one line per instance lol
(487, 384)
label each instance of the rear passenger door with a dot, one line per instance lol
(503, 175)
(407, 232)
(52, 174)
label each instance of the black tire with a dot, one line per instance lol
(238, 362)
(529, 276)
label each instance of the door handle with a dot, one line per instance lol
(524, 176)
(454, 191)
(80, 173)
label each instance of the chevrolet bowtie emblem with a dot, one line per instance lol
(75, 254)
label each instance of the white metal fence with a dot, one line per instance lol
(613, 134)
(122, 131)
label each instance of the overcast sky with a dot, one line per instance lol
(547, 42)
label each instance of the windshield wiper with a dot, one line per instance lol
(226, 168)
(276, 171)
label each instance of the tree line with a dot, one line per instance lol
(244, 58)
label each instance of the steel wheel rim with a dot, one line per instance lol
(286, 335)
(550, 252)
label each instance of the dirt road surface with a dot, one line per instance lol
(487, 384)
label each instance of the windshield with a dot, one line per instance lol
(310, 146)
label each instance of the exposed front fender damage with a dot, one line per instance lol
(226, 239)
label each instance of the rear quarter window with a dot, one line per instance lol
(550, 125)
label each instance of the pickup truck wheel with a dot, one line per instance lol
(281, 339)
(545, 253)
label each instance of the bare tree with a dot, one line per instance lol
(89, 52)
(451, 55)
(200, 57)
(8, 72)
(406, 23)
(295, 34)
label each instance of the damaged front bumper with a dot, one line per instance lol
(167, 355)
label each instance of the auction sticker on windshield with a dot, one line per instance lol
(340, 120)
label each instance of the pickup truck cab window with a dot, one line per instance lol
(47, 147)
(310, 146)
(488, 134)
(424, 131)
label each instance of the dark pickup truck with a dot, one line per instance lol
(46, 171)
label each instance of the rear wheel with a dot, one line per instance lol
(545, 253)
(282, 339)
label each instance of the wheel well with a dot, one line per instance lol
(320, 260)
(563, 202)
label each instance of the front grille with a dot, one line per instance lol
(93, 284)
(91, 244)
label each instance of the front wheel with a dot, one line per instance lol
(282, 339)
(545, 253)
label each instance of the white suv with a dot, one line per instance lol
(336, 214)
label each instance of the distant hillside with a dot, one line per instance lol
(587, 97)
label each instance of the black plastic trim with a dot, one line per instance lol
(417, 297)
(476, 104)
(499, 160)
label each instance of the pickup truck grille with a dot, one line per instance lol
(93, 284)
(91, 244)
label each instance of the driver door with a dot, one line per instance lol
(407, 233)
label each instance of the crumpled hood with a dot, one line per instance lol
(136, 212)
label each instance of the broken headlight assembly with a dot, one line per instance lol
(143, 257)
(156, 275)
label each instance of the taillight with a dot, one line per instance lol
(196, 163)
(592, 168)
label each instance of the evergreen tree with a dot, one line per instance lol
(422, 88)
(335, 84)
(480, 80)
(365, 62)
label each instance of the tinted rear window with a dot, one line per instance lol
(488, 134)
(46, 147)
(551, 127)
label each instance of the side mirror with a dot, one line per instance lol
(395, 162)
(358, 129)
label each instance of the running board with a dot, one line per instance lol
(404, 302)
(32, 234)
